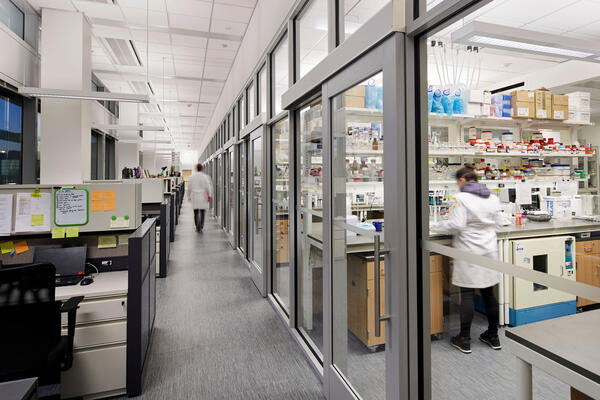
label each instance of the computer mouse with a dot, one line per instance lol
(86, 281)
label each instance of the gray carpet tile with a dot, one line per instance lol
(215, 337)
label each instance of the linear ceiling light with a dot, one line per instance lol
(145, 128)
(83, 95)
(522, 40)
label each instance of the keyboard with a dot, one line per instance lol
(67, 280)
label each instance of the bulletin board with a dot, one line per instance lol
(71, 207)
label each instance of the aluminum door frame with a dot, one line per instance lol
(259, 273)
(388, 56)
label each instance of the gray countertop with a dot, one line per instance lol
(21, 389)
(105, 284)
(571, 341)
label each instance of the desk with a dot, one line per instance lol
(100, 344)
(566, 348)
(22, 389)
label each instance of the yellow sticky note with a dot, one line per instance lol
(7, 247)
(107, 242)
(21, 247)
(37, 219)
(58, 233)
(97, 205)
(96, 195)
(72, 231)
(109, 205)
(109, 195)
(36, 193)
(123, 240)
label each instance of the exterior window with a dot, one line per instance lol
(13, 17)
(109, 158)
(311, 27)
(11, 137)
(262, 84)
(96, 138)
(280, 72)
(250, 100)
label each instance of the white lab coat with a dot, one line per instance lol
(473, 221)
(199, 189)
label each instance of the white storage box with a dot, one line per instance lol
(480, 96)
(580, 117)
(558, 207)
(579, 100)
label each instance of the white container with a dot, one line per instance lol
(578, 116)
(480, 96)
(579, 100)
(561, 170)
(487, 136)
(558, 207)
(507, 138)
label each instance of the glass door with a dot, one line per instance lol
(231, 210)
(225, 182)
(242, 196)
(256, 210)
(218, 188)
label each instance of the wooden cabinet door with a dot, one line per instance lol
(588, 272)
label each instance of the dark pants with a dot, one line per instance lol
(199, 221)
(467, 307)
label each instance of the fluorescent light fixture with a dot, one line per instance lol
(145, 128)
(526, 41)
(529, 46)
(83, 95)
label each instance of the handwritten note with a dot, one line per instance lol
(58, 233)
(72, 231)
(70, 207)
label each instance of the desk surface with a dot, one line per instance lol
(571, 341)
(105, 284)
(22, 389)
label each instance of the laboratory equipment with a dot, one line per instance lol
(529, 301)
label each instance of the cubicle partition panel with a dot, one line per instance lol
(165, 237)
(173, 214)
(141, 298)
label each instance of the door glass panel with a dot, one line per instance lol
(226, 191)
(262, 96)
(231, 189)
(280, 73)
(312, 35)
(310, 226)
(251, 100)
(242, 197)
(257, 227)
(281, 254)
(357, 228)
(357, 12)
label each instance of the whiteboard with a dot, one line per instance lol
(70, 206)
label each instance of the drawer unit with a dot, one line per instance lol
(99, 334)
(97, 371)
(100, 310)
(588, 266)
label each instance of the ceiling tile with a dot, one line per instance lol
(194, 8)
(193, 52)
(188, 41)
(232, 13)
(56, 4)
(156, 5)
(228, 27)
(243, 3)
(101, 31)
(137, 16)
(189, 22)
(99, 10)
(219, 44)
(571, 17)
(220, 55)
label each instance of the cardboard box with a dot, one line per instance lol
(357, 91)
(522, 104)
(355, 101)
(543, 104)
(560, 107)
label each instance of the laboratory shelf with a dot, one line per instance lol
(506, 122)
(366, 152)
(504, 181)
(456, 153)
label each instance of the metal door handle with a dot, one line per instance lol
(378, 317)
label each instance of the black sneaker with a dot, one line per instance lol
(461, 343)
(491, 340)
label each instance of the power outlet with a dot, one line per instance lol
(106, 263)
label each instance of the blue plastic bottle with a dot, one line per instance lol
(436, 104)
(429, 98)
(447, 102)
(458, 103)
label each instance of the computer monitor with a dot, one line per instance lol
(68, 261)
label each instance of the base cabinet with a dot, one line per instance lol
(361, 301)
(588, 266)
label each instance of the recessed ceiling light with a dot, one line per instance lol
(529, 46)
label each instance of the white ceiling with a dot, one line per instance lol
(576, 19)
(187, 53)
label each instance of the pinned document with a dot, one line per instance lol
(58, 233)
(70, 206)
(72, 231)
(21, 247)
(119, 222)
(6, 207)
(7, 247)
(523, 192)
(107, 242)
(32, 214)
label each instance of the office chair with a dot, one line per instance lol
(31, 344)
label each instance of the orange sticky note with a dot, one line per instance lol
(109, 205)
(97, 205)
(96, 195)
(109, 195)
(21, 247)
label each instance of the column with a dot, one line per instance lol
(65, 124)
(128, 146)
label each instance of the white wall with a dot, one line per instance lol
(19, 62)
(268, 16)
(128, 156)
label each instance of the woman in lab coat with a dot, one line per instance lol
(199, 193)
(473, 219)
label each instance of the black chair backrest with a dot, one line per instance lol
(31, 320)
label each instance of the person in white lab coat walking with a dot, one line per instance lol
(199, 193)
(473, 220)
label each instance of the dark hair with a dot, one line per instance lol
(199, 167)
(468, 173)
